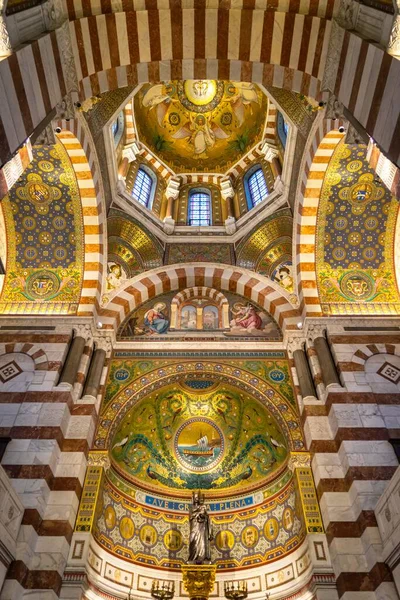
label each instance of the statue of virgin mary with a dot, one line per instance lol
(200, 532)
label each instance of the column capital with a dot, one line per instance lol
(83, 330)
(131, 151)
(104, 343)
(173, 188)
(269, 151)
(99, 458)
(315, 330)
(226, 188)
(298, 460)
(295, 343)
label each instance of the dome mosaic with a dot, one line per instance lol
(200, 125)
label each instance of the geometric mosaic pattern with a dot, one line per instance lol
(389, 372)
(9, 371)
(355, 236)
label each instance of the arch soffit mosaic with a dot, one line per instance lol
(257, 288)
(45, 236)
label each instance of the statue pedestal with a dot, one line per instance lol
(198, 580)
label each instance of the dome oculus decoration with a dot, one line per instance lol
(200, 125)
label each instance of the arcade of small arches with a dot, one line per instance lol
(199, 266)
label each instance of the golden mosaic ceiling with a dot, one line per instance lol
(200, 125)
(355, 238)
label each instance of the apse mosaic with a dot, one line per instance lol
(226, 316)
(200, 125)
(178, 439)
(178, 424)
(153, 537)
(356, 224)
(45, 237)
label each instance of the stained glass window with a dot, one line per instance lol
(199, 208)
(257, 186)
(142, 188)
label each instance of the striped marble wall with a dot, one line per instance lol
(347, 431)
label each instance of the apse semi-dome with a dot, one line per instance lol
(200, 125)
(199, 434)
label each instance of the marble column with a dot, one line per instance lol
(306, 383)
(328, 367)
(72, 362)
(95, 371)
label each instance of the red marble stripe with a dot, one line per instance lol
(223, 34)
(318, 47)
(154, 33)
(81, 48)
(305, 41)
(267, 33)
(112, 40)
(177, 35)
(20, 92)
(246, 24)
(287, 39)
(133, 38)
(199, 31)
(95, 43)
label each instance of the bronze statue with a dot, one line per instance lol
(200, 532)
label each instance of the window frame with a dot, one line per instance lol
(280, 128)
(248, 193)
(194, 192)
(120, 122)
(153, 186)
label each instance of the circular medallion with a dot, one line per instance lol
(173, 540)
(287, 518)
(126, 528)
(199, 444)
(39, 193)
(362, 192)
(357, 285)
(276, 375)
(250, 536)
(121, 375)
(42, 284)
(200, 95)
(224, 540)
(271, 529)
(109, 517)
(339, 253)
(148, 535)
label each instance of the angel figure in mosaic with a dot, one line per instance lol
(201, 132)
(245, 95)
(159, 97)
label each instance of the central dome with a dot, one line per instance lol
(200, 125)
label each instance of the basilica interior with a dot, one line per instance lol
(199, 300)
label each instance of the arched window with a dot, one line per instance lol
(117, 128)
(283, 129)
(255, 186)
(144, 187)
(199, 208)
